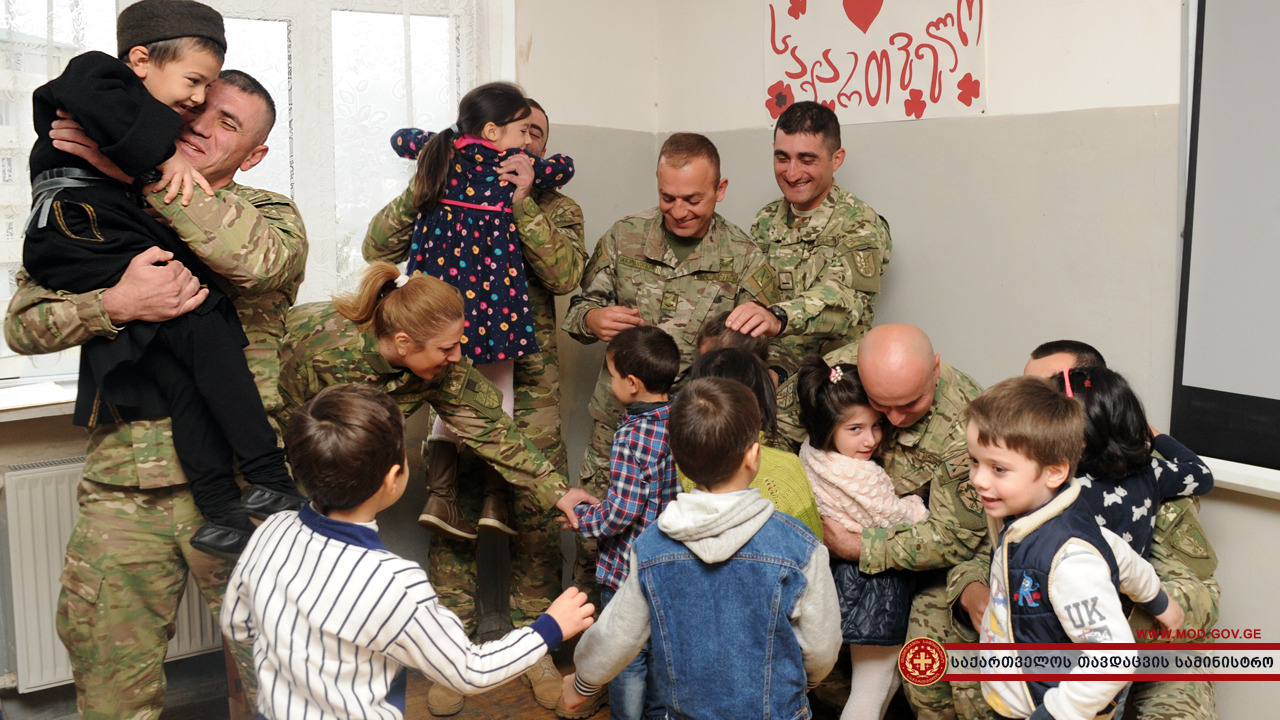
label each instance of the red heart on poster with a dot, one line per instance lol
(862, 12)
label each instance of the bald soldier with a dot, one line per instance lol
(926, 454)
(1180, 553)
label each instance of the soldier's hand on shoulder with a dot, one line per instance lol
(606, 322)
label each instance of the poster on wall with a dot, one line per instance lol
(877, 60)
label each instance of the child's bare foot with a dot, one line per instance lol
(572, 612)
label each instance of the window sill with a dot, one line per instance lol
(1249, 479)
(27, 398)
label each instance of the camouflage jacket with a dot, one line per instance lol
(829, 267)
(324, 348)
(634, 267)
(255, 240)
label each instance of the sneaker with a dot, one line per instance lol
(545, 681)
(588, 708)
(443, 700)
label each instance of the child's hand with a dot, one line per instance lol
(570, 500)
(1172, 617)
(572, 612)
(569, 697)
(178, 176)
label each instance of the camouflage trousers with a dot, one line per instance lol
(1171, 700)
(126, 569)
(931, 617)
(536, 561)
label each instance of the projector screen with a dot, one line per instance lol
(1227, 379)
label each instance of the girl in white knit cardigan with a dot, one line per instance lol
(852, 489)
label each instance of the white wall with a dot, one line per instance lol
(671, 65)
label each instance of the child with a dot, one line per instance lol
(1024, 440)
(86, 228)
(844, 433)
(643, 362)
(1119, 478)
(715, 335)
(781, 479)
(738, 599)
(465, 235)
(334, 617)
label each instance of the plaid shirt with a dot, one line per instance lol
(642, 481)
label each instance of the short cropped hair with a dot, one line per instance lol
(1086, 354)
(683, 148)
(1028, 415)
(720, 336)
(648, 353)
(343, 442)
(810, 118)
(714, 422)
(249, 85)
(163, 52)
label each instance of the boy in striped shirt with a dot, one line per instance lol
(643, 363)
(335, 617)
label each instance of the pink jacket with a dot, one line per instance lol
(857, 493)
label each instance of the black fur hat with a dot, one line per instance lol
(151, 21)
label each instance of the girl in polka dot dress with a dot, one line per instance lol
(465, 232)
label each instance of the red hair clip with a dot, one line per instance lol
(1066, 381)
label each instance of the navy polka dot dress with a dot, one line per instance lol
(469, 240)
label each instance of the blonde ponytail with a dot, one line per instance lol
(420, 306)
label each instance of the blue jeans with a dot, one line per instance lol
(631, 695)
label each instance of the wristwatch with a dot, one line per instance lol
(781, 315)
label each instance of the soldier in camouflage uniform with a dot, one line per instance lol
(926, 454)
(828, 248)
(129, 555)
(636, 274)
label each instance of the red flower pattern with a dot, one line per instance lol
(780, 98)
(915, 104)
(798, 8)
(970, 88)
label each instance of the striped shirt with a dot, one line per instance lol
(334, 617)
(642, 480)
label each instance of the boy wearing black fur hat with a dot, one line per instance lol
(85, 228)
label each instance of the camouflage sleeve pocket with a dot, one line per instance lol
(481, 395)
(864, 268)
(81, 578)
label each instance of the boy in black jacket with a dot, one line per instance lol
(85, 228)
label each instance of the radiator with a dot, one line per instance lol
(40, 502)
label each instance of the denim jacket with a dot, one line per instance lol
(739, 603)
